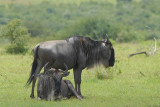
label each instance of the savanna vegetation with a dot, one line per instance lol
(122, 20)
(130, 24)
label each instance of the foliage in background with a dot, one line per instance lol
(123, 20)
(18, 36)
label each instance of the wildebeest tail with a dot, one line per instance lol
(34, 66)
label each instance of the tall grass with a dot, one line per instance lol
(102, 73)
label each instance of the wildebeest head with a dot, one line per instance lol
(108, 50)
(57, 75)
(98, 52)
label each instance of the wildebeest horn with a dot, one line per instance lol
(104, 38)
(66, 67)
(45, 66)
(107, 38)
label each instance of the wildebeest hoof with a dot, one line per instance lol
(65, 98)
(78, 97)
(32, 96)
(39, 98)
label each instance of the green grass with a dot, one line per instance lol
(53, 1)
(56, 2)
(128, 87)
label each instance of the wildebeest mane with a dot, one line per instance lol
(47, 83)
(89, 47)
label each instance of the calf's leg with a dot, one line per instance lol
(70, 86)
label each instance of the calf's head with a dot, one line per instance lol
(57, 75)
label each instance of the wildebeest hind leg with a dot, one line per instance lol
(38, 69)
(75, 79)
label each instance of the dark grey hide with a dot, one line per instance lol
(51, 86)
(76, 52)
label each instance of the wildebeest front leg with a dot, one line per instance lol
(38, 69)
(70, 86)
(77, 79)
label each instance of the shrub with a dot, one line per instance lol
(95, 28)
(16, 49)
(18, 36)
(102, 73)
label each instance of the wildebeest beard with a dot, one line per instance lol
(57, 90)
(112, 59)
(92, 49)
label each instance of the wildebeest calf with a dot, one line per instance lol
(51, 86)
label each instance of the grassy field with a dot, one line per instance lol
(128, 87)
(28, 2)
(132, 82)
(56, 2)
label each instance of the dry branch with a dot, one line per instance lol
(148, 53)
(144, 52)
(155, 47)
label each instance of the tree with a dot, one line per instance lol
(17, 34)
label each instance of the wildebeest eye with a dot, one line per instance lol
(60, 70)
(107, 44)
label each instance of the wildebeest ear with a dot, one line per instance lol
(65, 74)
(107, 38)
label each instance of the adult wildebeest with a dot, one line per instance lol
(76, 52)
(51, 86)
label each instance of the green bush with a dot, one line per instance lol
(16, 49)
(112, 41)
(122, 20)
(18, 36)
(102, 73)
(95, 28)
